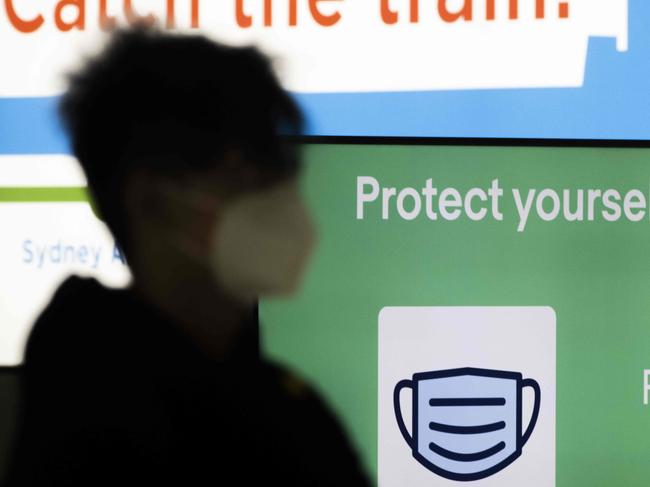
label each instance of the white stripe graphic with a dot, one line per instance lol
(40, 171)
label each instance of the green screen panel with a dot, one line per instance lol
(594, 273)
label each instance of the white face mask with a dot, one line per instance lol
(261, 241)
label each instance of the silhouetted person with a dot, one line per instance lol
(163, 383)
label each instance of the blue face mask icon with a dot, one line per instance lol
(467, 423)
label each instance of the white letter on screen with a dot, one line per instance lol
(523, 209)
(365, 197)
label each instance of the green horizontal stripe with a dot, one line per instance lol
(44, 195)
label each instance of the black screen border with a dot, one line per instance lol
(470, 141)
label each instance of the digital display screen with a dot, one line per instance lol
(479, 313)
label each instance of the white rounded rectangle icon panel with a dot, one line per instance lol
(467, 394)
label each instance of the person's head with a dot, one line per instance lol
(180, 139)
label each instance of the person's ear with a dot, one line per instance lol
(185, 208)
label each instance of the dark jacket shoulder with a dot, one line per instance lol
(110, 386)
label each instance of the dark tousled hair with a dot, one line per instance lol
(172, 102)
